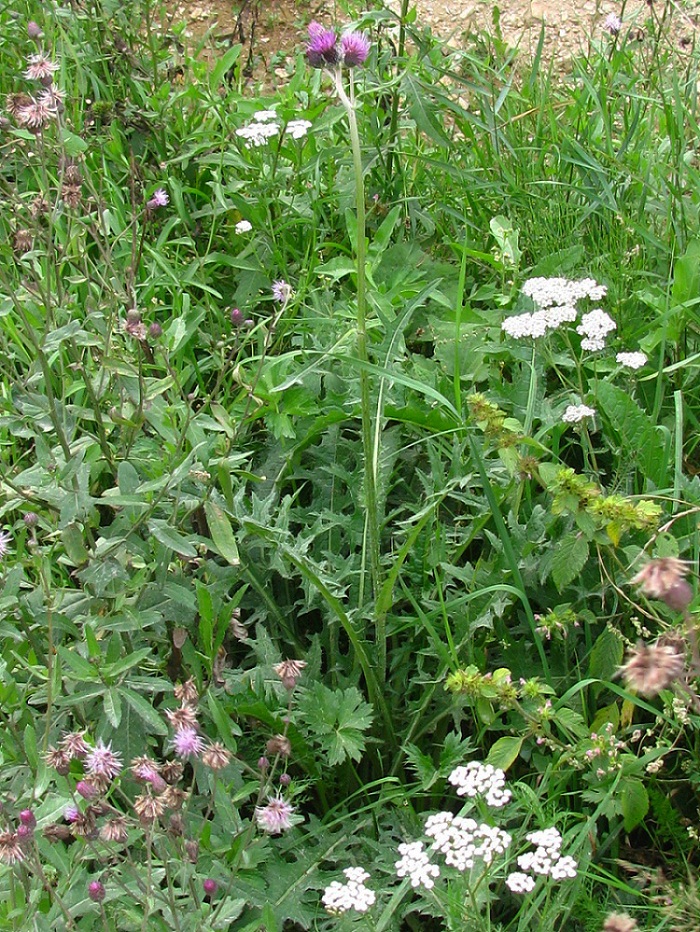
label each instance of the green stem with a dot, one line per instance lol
(369, 448)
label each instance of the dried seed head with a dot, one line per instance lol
(651, 668)
(280, 744)
(22, 241)
(216, 756)
(172, 771)
(149, 808)
(620, 922)
(187, 692)
(289, 672)
(658, 576)
(115, 830)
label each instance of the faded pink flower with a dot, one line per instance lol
(276, 816)
(40, 68)
(187, 743)
(74, 744)
(102, 761)
(10, 848)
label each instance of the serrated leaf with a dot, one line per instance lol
(606, 655)
(504, 752)
(337, 720)
(634, 802)
(642, 441)
(569, 559)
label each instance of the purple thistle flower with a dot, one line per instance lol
(102, 761)
(96, 891)
(354, 47)
(276, 817)
(159, 199)
(210, 886)
(281, 291)
(187, 743)
(323, 46)
(27, 817)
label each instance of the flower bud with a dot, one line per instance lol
(96, 891)
(27, 817)
(209, 886)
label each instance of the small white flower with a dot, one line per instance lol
(565, 868)
(243, 226)
(340, 897)
(416, 865)
(297, 129)
(257, 134)
(594, 327)
(5, 539)
(262, 116)
(574, 414)
(520, 883)
(547, 292)
(632, 360)
(477, 779)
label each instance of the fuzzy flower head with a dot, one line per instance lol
(477, 779)
(276, 817)
(5, 539)
(102, 761)
(159, 198)
(620, 922)
(289, 671)
(322, 48)
(354, 49)
(40, 68)
(651, 668)
(612, 24)
(339, 897)
(257, 133)
(187, 743)
(11, 851)
(281, 291)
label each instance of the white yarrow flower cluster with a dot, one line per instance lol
(632, 360)
(243, 226)
(415, 864)
(464, 841)
(555, 300)
(545, 861)
(340, 897)
(257, 133)
(477, 779)
(264, 127)
(594, 328)
(574, 414)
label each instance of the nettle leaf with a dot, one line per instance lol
(337, 721)
(570, 558)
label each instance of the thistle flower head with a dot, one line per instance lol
(102, 761)
(322, 48)
(289, 672)
(216, 757)
(660, 575)
(651, 668)
(276, 816)
(40, 68)
(354, 48)
(187, 743)
(158, 199)
(11, 851)
(620, 922)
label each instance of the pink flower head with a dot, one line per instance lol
(159, 199)
(276, 817)
(40, 68)
(187, 743)
(354, 48)
(96, 891)
(323, 46)
(210, 886)
(102, 761)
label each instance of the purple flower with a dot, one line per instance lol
(281, 291)
(210, 886)
(27, 817)
(354, 47)
(96, 891)
(86, 789)
(187, 743)
(102, 761)
(159, 199)
(323, 46)
(612, 24)
(276, 817)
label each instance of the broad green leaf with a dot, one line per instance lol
(634, 801)
(646, 445)
(606, 655)
(169, 537)
(504, 752)
(113, 707)
(154, 723)
(570, 558)
(222, 533)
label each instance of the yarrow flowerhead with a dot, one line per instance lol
(257, 133)
(632, 360)
(574, 414)
(555, 302)
(518, 882)
(297, 129)
(594, 328)
(340, 897)
(477, 779)
(243, 226)
(415, 864)
(464, 841)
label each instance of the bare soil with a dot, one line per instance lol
(271, 30)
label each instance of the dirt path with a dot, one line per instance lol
(271, 30)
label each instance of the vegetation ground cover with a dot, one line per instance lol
(349, 480)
